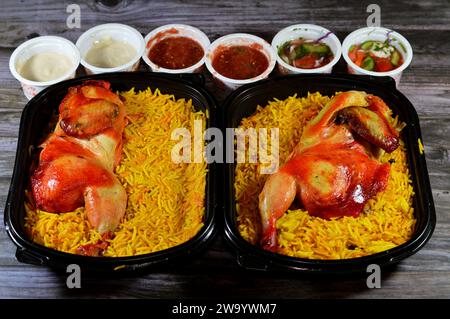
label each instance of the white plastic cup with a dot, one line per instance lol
(175, 30)
(239, 39)
(43, 44)
(115, 31)
(378, 34)
(306, 31)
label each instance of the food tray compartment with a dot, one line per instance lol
(243, 102)
(34, 123)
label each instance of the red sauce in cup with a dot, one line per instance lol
(239, 62)
(176, 53)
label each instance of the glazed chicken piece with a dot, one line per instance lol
(77, 162)
(333, 170)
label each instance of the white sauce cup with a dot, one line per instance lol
(115, 31)
(378, 34)
(310, 32)
(175, 30)
(239, 39)
(43, 44)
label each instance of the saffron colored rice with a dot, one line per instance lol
(386, 221)
(165, 200)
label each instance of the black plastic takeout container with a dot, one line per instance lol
(243, 102)
(34, 124)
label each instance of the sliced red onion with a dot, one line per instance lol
(323, 37)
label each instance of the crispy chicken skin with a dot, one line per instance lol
(331, 170)
(77, 161)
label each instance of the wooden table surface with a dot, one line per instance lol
(215, 273)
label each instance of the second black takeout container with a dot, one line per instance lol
(243, 102)
(35, 123)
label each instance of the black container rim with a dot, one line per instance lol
(34, 253)
(252, 257)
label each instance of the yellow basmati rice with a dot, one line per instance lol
(165, 200)
(386, 221)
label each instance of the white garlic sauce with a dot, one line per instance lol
(110, 53)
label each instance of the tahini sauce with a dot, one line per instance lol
(110, 53)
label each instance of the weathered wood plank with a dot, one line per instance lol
(7, 155)
(35, 282)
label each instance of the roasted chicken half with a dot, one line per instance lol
(333, 170)
(77, 161)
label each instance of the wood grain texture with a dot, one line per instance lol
(426, 83)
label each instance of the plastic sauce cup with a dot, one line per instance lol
(175, 30)
(239, 39)
(378, 34)
(309, 32)
(115, 31)
(43, 44)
